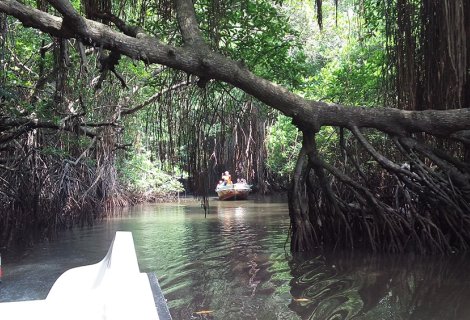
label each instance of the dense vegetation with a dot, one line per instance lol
(96, 115)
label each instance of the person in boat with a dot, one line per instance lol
(227, 178)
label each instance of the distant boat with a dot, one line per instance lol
(111, 289)
(236, 191)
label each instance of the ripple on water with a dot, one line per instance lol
(233, 265)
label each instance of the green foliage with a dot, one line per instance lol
(354, 78)
(346, 60)
(259, 35)
(277, 40)
(23, 47)
(283, 144)
(140, 174)
(54, 151)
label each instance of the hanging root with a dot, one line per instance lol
(43, 191)
(390, 194)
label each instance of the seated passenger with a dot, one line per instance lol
(227, 178)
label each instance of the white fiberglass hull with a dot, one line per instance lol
(111, 289)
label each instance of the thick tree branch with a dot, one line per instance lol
(13, 128)
(71, 16)
(188, 24)
(131, 31)
(210, 65)
(462, 136)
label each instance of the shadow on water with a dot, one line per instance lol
(364, 286)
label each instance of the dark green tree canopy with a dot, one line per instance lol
(196, 57)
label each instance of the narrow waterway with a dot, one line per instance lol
(233, 265)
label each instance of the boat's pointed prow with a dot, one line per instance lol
(120, 262)
(111, 289)
(121, 256)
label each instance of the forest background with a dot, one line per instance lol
(84, 130)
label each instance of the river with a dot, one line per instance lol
(234, 265)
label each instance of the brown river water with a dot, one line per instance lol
(235, 264)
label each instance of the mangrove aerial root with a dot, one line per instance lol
(394, 194)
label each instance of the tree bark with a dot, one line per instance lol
(197, 59)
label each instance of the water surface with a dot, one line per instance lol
(233, 265)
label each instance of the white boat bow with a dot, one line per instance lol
(111, 289)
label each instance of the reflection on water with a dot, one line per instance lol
(364, 286)
(232, 265)
(320, 292)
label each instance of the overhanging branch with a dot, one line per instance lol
(11, 129)
(196, 60)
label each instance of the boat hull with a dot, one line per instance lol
(233, 195)
(233, 192)
(111, 289)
